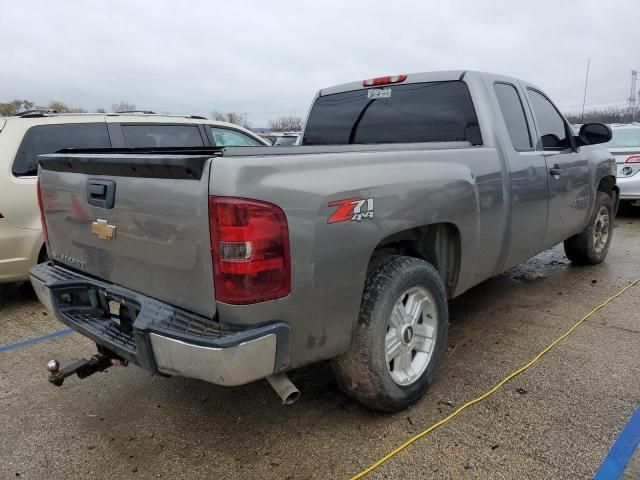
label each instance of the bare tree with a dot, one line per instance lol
(123, 107)
(14, 107)
(287, 123)
(231, 117)
(64, 108)
(17, 106)
(606, 115)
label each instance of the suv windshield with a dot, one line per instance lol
(285, 141)
(624, 137)
(415, 112)
(225, 137)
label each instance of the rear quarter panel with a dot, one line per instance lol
(410, 187)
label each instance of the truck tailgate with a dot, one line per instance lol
(152, 236)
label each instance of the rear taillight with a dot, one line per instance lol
(374, 82)
(45, 235)
(250, 250)
(633, 159)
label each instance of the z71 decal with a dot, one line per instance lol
(354, 209)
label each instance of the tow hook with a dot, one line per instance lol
(83, 367)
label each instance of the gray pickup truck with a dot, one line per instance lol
(237, 264)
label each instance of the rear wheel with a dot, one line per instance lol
(591, 246)
(400, 336)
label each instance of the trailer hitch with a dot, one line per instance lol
(83, 367)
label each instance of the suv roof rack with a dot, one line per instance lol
(39, 112)
(145, 112)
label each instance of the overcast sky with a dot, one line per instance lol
(268, 58)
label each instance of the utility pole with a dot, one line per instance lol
(632, 94)
(584, 97)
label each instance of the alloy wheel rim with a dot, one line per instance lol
(601, 230)
(410, 336)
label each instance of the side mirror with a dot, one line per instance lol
(594, 133)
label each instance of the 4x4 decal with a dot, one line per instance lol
(355, 209)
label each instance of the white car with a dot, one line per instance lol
(29, 134)
(283, 139)
(625, 147)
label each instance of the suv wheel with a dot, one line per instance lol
(400, 336)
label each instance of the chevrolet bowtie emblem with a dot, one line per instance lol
(103, 230)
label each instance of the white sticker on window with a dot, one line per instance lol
(379, 93)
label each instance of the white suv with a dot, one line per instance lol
(27, 135)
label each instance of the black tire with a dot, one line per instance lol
(581, 248)
(363, 372)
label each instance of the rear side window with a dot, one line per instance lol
(514, 116)
(43, 139)
(418, 112)
(150, 135)
(224, 137)
(553, 129)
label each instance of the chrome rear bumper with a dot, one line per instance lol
(248, 361)
(158, 336)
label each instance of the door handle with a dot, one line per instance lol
(556, 170)
(97, 191)
(101, 193)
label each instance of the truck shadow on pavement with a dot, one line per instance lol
(16, 294)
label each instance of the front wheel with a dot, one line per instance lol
(400, 336)
(590, 246)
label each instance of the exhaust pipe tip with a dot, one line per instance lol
(285, 389)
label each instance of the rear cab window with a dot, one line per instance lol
(42, 139)
(408, 113)
(514, 116)
(158, 135)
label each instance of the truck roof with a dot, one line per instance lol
(420, 77)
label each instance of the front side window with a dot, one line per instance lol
(224, 137)
(514, 116)
(553, 129)
(43, 139)
(157, 135)
(416, 112)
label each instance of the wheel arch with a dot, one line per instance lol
(437, 243)
(607, 184)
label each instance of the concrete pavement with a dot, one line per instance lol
(557, 420)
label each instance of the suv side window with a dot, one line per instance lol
(224, 137)
(553, 129)
(157, 135)
(43, 139)
(514, 116)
